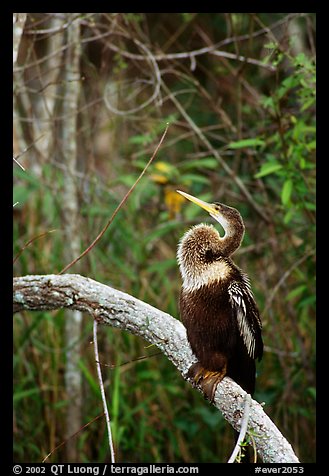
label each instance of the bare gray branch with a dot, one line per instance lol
(115, 308)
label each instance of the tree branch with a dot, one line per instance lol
(115, 308)
(19, 20)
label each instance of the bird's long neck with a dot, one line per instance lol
(233, 236)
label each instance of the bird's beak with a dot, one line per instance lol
(206, 206)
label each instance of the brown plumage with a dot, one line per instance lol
(217, 306)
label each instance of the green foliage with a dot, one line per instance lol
(289, 152)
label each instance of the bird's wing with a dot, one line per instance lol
(247, 315)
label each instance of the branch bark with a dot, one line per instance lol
(115, 308)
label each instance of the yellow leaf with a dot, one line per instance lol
(173, 201)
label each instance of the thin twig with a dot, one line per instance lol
(192, 54)
(253, 443)
(99, 373)
(31, 241)
(123, 201)
(137, 359)
(20, 165)
(72, 436)
(25, 150)
(243, 430)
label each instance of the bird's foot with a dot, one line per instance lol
(207, 380)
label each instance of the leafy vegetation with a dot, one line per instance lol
(231, 120)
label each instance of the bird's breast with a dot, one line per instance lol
(213, 273)
(206, 305)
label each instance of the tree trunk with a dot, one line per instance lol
(70, 213)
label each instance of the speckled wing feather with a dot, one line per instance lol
(247, 315)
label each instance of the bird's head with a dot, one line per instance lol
(229, 218)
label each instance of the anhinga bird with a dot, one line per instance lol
(217, 306)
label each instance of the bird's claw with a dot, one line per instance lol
(207, 380)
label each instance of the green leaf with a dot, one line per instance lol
(309, 102)
(301, 59)
(240, 144)
(28, 177)
(89, 378)
(144, 139)
(23, 394)
(289, 83)
(194, 178)
(268, 168)
(268, 103)
(288, 216)
(21, 193)
(310, 206)
(286, 192)
(312, 392)
(311, 145)
(271, 45)
(296, 292)
(160, 231)
(207, 163)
